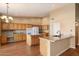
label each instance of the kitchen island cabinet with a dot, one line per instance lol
(55, 46)
(32, 40)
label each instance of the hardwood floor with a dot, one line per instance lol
(71, 52)
(19, 49)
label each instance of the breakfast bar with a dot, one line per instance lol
(54, 46)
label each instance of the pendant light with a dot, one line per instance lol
(6, 17)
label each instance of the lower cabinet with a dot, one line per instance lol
(16, 37)
(19, 37)
(3, 39)
(32, 40)
(24, 36)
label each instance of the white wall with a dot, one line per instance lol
(66, 17)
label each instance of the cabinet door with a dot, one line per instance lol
(19, 37)
(23, 36)
(35, 40)
(40, 27)
(15, 26)
(24, 26)
(21, 26)
(16, 37)
(29, 26)
(0, 39)
(11, 26)
(5, 26)
(0, 25)
(3, 39)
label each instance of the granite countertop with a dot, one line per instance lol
(54, 39)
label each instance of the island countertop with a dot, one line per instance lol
(54, 39)
(54, 46)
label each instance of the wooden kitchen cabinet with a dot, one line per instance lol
(5, 26)
(19, 37)
(0, 39)
(21, 26)
(3, 39)
(29, 25)
(24, 36)
(24, 26)
(0, 25)
(35, 40)
(45, 27)
(15, 37)
(15, 26)
(11, 26)
(18, 26)
(32, 40)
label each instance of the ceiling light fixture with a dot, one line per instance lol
(7, 18)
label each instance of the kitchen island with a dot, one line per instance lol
(54, 46)
(32, 40)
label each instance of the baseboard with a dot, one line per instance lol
(62, 52)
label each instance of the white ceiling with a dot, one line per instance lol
(30, 9)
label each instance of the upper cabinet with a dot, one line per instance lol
(45, 27)
(15, 26)
(23, 26)
(20, 26)
(5, 26)
(29, 25)
(11, 26)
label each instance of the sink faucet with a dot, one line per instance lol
(59, 34)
